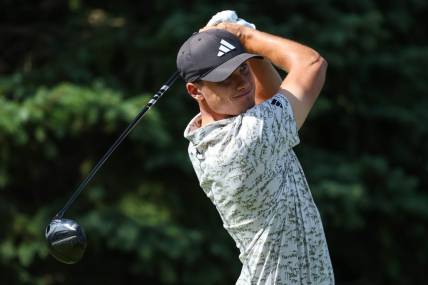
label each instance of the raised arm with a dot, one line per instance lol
(305, 68)
(267, 79)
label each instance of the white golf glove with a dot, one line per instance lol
(228, 16)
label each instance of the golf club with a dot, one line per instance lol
(66, 238)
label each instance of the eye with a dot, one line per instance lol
(244, 68)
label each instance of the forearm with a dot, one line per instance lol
(267, 79)
(284, 53)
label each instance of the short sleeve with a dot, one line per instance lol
(269, 129)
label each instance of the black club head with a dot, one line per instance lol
(66, 240)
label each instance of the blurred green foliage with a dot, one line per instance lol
(74, 73)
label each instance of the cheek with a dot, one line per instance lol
(212, 101)
(219, 100)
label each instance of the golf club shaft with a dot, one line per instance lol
(124, 134)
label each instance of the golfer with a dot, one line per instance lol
(241, 147)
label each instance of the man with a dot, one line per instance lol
(241, 148)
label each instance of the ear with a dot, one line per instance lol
(194, 90)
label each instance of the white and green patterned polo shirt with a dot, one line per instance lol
(247, 167)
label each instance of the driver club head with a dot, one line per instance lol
(66, 240)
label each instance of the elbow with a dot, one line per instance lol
(316, 72)
(318, 62)
(323, 63)
(312, 62)
(318, 67)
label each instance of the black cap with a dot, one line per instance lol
(211, 55)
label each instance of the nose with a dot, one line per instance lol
(242, 82)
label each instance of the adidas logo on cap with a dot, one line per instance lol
(224, 48)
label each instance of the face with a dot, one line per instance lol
(230, 97)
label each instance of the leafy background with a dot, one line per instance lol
(74, 73)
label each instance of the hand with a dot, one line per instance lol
(236, 29)
(223, 19)
(228, 16)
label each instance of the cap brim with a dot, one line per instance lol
(224, 70)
